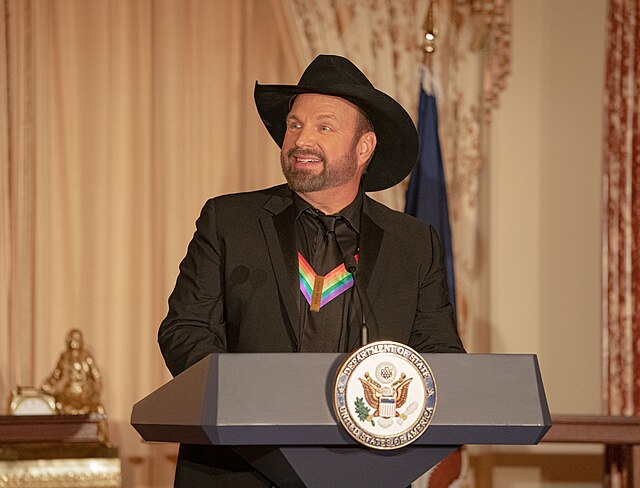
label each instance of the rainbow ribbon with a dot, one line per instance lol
(332, 284)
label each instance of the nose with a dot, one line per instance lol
(305, 137)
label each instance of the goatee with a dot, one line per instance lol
(334, 174)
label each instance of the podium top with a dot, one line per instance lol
(286, 399)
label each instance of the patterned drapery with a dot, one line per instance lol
(621, 223)
(471, 65)
(380, 36)
(472, 62)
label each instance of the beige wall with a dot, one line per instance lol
(544, 177)
(542, 197)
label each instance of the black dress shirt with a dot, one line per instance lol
(309, 231)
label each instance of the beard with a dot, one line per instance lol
(337, 173)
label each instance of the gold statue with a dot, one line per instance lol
(76, 382)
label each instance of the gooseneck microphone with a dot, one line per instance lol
(351, 265)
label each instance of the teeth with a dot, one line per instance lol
(308, 160)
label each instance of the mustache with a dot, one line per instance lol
(295, 152)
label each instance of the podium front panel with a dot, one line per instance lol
(286, 399)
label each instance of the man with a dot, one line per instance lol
(254, 276)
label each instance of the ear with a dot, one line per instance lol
(365, 148)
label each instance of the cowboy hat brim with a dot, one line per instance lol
(397, 140)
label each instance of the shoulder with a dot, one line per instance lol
(250, 198)
(242, 212)
(248, 204)
(393, 220)
(410, 235)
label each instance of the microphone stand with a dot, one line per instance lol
(351, 266)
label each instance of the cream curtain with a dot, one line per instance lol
(469, 67)
(17, 198)
(471, 64)
(118, 120)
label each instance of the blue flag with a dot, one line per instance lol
(427, 191)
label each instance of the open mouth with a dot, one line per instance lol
(302, 160)
(305, 157)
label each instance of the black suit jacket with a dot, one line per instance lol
(238, 288)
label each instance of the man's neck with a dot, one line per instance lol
(332, 200)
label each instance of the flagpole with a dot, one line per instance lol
(430, 29)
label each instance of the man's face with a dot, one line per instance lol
(319, 147)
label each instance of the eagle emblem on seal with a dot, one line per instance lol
(385, 396)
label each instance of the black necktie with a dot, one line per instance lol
(327, 253)
(322, 329)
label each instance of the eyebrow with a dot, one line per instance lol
(320, 117)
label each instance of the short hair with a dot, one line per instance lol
(363, 124)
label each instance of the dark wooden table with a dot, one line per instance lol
(599, 429)
(56, 450)
(50, 428)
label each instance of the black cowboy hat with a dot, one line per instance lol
(397, 147)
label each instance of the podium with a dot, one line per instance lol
(276, 410)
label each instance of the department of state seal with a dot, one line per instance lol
(385, 395)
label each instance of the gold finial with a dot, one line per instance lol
(430, 29)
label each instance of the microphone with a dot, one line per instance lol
(351, 265)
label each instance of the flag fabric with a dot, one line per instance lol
(427, 191)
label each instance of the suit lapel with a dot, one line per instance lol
(279, 232)
(376, 247)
